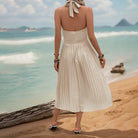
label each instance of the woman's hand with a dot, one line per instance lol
(102, 62)
(56, 64)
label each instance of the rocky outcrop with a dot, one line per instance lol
(118, 68)
(136, 23)
(123, 22)
(29, 114)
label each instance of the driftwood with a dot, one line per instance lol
(118, 68)
(29, 114)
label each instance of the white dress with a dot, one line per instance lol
(81, 84)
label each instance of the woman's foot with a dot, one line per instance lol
(53, 122)
(77, 128)
(53, 126)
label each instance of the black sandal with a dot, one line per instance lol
(77, 132)
(53, 127)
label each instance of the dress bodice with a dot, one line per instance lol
(74, 36)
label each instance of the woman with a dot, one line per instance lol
(81, 85)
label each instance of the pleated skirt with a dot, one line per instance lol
(81, 83)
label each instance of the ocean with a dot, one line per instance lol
(27, 74)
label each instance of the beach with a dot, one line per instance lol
(118, 121)
(29, 80)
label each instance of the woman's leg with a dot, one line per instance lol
(78, 121)
(55, 116)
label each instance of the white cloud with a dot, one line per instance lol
(11, 6)
(10, 3)
(102, 7)
(23, 7)
(3, 9)
(28, 12)
(131, 5)
(38, 4)
(28, 9)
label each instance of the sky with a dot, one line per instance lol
(40, 13)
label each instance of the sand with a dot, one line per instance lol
(117, 121)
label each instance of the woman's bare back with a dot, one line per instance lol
(76, 23)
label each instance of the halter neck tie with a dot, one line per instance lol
(73, 6)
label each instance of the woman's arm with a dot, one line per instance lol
(57, 32)
(90, 27)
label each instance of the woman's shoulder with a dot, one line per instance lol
(60, 9)
(87, 7)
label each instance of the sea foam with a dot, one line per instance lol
(111, 34)
(51, 38)
(21, 58)
(26, 41)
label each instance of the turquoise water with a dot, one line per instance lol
(27, 74)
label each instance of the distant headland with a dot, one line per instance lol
(25, 29)
(122, 22)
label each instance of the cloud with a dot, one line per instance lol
(28, 9)
(38, 4)
(3, 9)
(10, 3)
(23, 7)
(102, 7)
(131, 4)
(11, 7)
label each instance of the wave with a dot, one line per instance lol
(51, 38)
(111, 34)
(121, 77)
(21, 58)
(26, 41)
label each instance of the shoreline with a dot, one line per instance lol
(127, 76)
(119, 120)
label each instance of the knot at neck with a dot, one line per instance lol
(73, 7)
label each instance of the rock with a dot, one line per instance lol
(118, 68)
(29, 114)
(120, 65)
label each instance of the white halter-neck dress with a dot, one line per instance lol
(81, 84)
